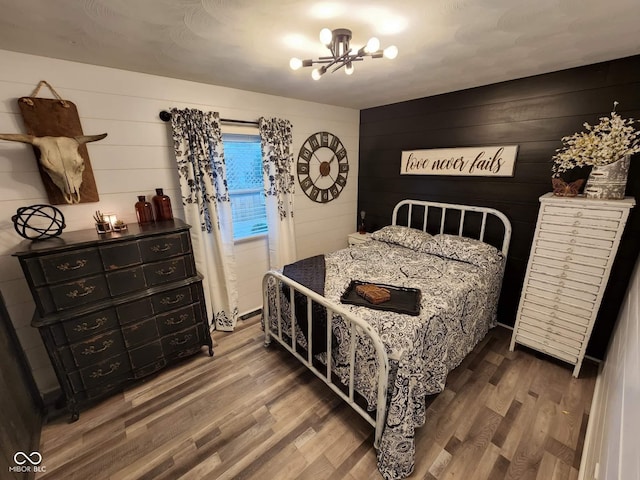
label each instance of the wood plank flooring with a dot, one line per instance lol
(253, 413)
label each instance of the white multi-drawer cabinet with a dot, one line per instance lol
(574, 246)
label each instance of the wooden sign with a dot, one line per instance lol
(495, 161)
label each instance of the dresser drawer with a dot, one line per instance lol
(161, 247)
(85, 326)
(109, 372)
(95, 349)
(176, 320)
(184, 340)
(167, 271)
(171, 299)
(146, 355)
(73, 294)
(126, 280)
(578, 212)
(563, 277)
(64, 266)
(556, 289)
(560, 295)
(141, 332)
(551, 314)
(120, 255)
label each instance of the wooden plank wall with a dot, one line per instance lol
(534, 113)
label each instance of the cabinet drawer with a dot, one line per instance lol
(549, 334)
(577, 263)
(65, 266)
(560, 353)
(582, 254)
(133, 311)
(578, 212)
(73, 294)
(97, 348)
(126, 280)
(176, 320)
(558, 305)
(588, 222)
(87, 325)
(574, 240)
(161, 247)
(120, 255)
(184, 340)
(146, 370)
(168, 271)
(561, 273)
(554, 330)
(552, 314)
(141, 332)
(560, 296)
(578, 231)
(555, 289)
(534, 315)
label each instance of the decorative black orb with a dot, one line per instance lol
(38, 222)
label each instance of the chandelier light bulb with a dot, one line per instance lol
(315, 74)
(391, 52)
(348, 69)
(326, 36)
(373, 45)
(295, 63)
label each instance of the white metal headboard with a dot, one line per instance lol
(444, 207)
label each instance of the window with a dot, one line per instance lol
(243, 157)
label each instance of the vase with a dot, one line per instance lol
(608, 181)
(162, 205)
(144, 211)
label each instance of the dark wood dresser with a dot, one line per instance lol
(115, 307)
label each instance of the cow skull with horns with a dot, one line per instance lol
(60, 158)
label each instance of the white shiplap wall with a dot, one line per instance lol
(611, 451)
(136, 157)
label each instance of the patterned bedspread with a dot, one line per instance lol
(458, 306)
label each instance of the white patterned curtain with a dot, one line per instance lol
(279, 185)
(199, 155)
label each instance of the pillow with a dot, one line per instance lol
(404, 236)
(464, 249)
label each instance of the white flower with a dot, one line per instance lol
(602, 144)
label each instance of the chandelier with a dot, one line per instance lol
(337, 41)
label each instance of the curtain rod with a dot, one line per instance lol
(166, 116)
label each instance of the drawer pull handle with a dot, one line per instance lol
(579, 214)
(65, 267)
(552, 314)
(84, 327)
(561, 283)
(565, 266)
(551, 322)
(76, 293)
(568, 258)
(173, 321)
(175, 341)
(559, 290)
(573, 240)
(556, 299)
(574, 232)
(168, 301)
(545, 342)
(161, 248)
(92, 349)
(563, 275)
(99, 373)
(570, 250)
(169, 271)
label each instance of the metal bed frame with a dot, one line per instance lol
(356, 324)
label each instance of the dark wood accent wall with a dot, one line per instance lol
(534, 113)
(20, 404)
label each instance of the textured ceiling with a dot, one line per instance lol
(444, 45)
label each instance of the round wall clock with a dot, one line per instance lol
(322, 167)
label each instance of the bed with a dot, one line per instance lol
(449, 259)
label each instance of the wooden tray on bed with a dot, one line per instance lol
(403, 299)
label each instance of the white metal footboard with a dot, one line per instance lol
(355, 324)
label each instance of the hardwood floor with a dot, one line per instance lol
(254, 413)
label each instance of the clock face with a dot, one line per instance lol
(323, 167)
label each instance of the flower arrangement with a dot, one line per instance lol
(602, 144)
